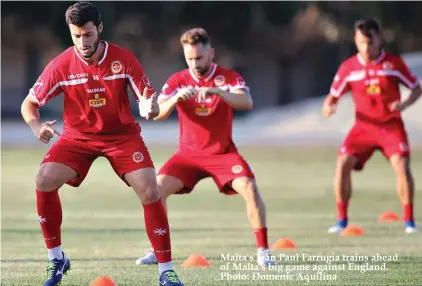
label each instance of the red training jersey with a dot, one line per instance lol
(205, 126)
(374, 86)
(96, 101)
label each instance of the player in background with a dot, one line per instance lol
(205, 96)
(373, 77)
(94, 75)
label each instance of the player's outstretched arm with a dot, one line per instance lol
(30, 113)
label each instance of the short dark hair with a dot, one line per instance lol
(81, 13)
(365, 26)
(195, 36)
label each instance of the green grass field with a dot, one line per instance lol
(103, 229)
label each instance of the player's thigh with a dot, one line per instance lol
(395, 142)
(67, 161)
(359, 143)
(52, 176)
(226, 168)
(127, 155)
(395, 147)
(144, 183)
(182, 168)
(168, 185)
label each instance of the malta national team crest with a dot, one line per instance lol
(116, 67)
(236, 169)
(219, 80)
(137, 157)
(240, 81)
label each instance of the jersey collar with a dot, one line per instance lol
(102, 59)
(213, 69)
(377, 61)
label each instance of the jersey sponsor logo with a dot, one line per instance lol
(203, 110)
(146, 82)
(373, 90)
(219, 80)
(78, 75)
(97, 101)
(373, 87)
(372, 81)
(204, 100)
(358, 73)
(116, 67)
(95, 90)
(236, 169)
(137, 157)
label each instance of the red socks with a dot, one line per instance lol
(158, 231)
(49, 210)
(408, 212)
(261, 237)
(342, 210)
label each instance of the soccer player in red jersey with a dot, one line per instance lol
(205, 96)
(373, 76)
(94, 75)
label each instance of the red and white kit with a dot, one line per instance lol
(374, 88)
(206, 147)
(97, 117)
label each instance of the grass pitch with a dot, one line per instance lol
(103, 228)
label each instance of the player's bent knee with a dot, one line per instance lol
(52, 176)
(345, 163)
(144, 183)
(245, 187)
(401, 165)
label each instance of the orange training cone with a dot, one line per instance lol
(196, 260)
(102, 281)
(283, 243)
(352, 230)
(389, 216)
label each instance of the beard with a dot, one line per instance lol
(93, 48)
(202, 71)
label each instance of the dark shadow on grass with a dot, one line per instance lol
(114, 230)
(91, 259)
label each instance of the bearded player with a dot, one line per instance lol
(373, 76)
(94, 76)
(205, 96)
